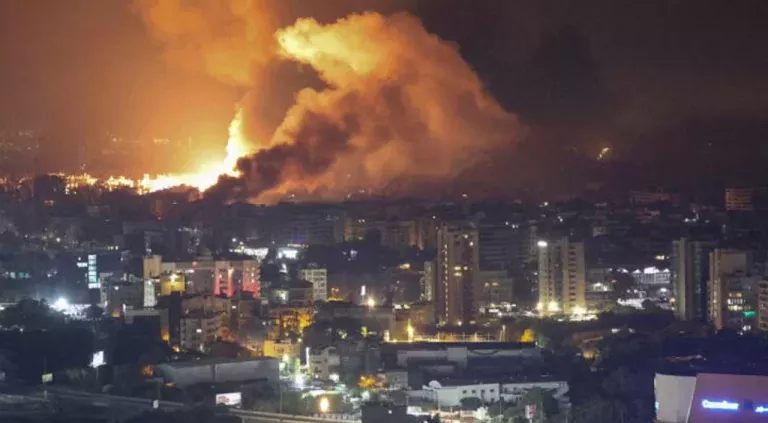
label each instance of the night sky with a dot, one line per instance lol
(663, 83)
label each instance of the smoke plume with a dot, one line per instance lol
(231, 40)
(398, 104)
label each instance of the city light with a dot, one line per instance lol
(298, 380)
(325, 405)
(411, 332)
(288, 253)
(61, 304)
(720, 405)
(553, 307)
(578, 310)
(371, 302)
(542, 243)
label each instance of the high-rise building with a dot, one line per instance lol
(458, 287)
(428, 280)
(739, 199)
(562, 277)
(117, 294)
(394, 233)
(732, 290)
(497, 287)
(762, 306)
(497, 242)
(319, 280)
(690, 272)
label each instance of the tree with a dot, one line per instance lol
(546, 404)
(94, 312)
(47, 351)
(649, 305)
(29, 314)
(623, 282)
(625, 395)
(471, 403)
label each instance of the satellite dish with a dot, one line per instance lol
(435, 384)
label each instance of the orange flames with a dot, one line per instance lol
(201, 180)
(208, 175)
(399, 103)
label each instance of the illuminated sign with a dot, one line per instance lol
(93, 277)
(232, 399)
(98, 359)
(720, 405)
(288, 253)
(761, 409)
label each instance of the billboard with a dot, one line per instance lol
(98, 359)
(231, 399)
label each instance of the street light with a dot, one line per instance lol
(371, 302)
(553, 307)
(325, 405)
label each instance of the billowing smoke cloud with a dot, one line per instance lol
(399, 104)
(230, 40)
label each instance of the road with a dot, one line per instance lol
(141, 404)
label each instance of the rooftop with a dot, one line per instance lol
(217, 360)
(469, 345)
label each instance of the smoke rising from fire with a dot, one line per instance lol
(398, 104)
(230, 40)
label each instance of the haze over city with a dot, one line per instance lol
(105, 87)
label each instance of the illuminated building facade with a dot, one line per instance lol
(497, 287)
(198, 330)
(458, 289)
(319, 280)
(428, 279)
(733, 292)
(207, 275)
(739, 199)
(117, 295)
(395, 234)
(562, 277)
(762, 305)
(172, 282)
(710, 397)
